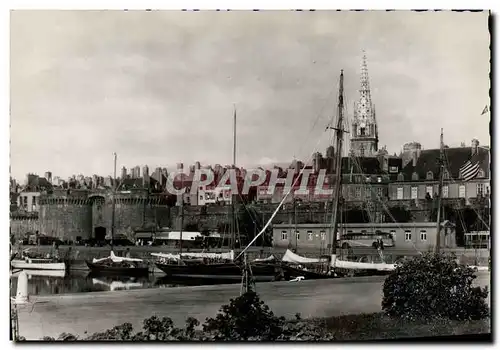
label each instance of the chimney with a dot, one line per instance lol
(474, 146)
(414, 157)
(145, 176)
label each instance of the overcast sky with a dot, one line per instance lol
(159, 87)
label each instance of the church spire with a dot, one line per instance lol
(365, 82)
(364, 141)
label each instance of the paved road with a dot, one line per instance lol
(76, 313)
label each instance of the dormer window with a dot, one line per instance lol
(401, 177)
(430, 175)
(446, 175)
(480, 173)
(414, 176)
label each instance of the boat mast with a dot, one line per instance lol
(113, 203)
(339, 133)
(233, 219)
(182, 214)
(440, 192)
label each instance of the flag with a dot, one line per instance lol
(470, 169)
(485, 110)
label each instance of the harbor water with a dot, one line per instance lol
(43, 283)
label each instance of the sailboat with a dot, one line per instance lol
(221, 267)
(114, 265)
(326, 266)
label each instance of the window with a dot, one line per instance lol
(393, 234)
(445, 191)
(414, 192)
(309, 235)
(368, 179)
(297, 235)
(480, 189)
(461, 191)
(201, 198)
(407, 235)
(401, 177)
(400, 193)
(362, 149)
(368, 193)
(423, 235)
(480, 173)
(414, 176)
(361, 133)
(323, 235)
(284, 235)
(380, 192)
(430, 175)
(446, 175)
(428, 190)
(379, 179)
(357, 192)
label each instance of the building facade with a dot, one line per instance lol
(419, 236)
(419, 179)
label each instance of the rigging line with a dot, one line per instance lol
(283, 200)
(334, 87)
(385, 207)
(455, 182)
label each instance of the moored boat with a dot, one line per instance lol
(37, 264)
(221, 272)
(115, 265)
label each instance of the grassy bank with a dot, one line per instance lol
(376, 326)
(380, 326)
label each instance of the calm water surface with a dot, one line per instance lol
(84, 282)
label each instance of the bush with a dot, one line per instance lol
(245, 318)
(434, 285)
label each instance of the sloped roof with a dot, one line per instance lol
(454, 159)
(361, 165)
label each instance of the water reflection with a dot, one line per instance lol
(58, 282)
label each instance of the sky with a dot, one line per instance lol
(160, 87)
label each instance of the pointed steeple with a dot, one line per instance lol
(364, 140)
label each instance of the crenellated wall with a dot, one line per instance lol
(79, 213)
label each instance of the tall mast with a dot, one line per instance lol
(113, 203)
(233, 221)
(339, 133)
(182, 213)
(440, 192)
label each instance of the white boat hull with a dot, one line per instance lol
(29, 265)
(41, 273)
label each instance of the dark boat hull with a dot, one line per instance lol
(220, 273)
(97, 269)
(292, 272)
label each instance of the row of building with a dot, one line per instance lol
(370, 177)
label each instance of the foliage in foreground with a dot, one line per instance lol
(434, 286)
(248, 318)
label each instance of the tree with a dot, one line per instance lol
(245, 318)
(434, 285)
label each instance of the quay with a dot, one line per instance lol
(98, 311)
(466, 256)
